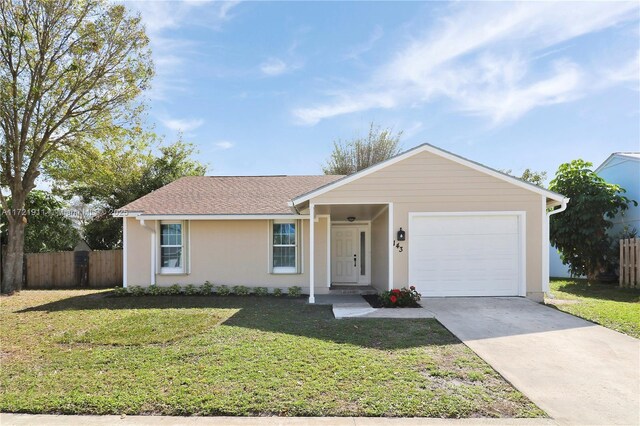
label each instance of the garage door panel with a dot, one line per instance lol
(468, 255)
(455, 225)
(466, 244)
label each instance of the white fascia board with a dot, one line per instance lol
(219, 216)
(436, 151)
(604, 163)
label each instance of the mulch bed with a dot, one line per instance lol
(375, 301)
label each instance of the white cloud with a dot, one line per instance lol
(346, 105)
(273, 67)
(162, 15)
(182, 125)
(507, 103)
(287, 62)
(413, 129)
(451, 60)
(360, 49)
(628, 72)
(225, 8)
(171, 53)
(224, 145)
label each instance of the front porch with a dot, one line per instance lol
(352, 242)
(339, 289)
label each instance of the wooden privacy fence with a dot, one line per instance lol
(68, 269)
(630, 263)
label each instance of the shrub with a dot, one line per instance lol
(277, 292)
(120, 291)
(261, 291)
(398, 298)
(191, 290)
(223, 290)
(153, 290)
(294, 291)
(136, 290)
(240, 290)
(206, 289)
(173, 290)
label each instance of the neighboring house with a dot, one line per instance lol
(620, 168)
(623, 168)
(468, 230)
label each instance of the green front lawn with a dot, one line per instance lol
(606, 304)
(81, 352)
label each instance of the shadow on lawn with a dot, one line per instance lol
(601, 291)
(292, 316)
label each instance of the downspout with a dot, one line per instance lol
(546, 242)
(153, 251)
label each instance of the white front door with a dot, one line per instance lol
(344, 254)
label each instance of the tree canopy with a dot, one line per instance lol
(536, 178)
(531, 176)
(580, 232)
(49, 226)
(361, 152)
(122, 170)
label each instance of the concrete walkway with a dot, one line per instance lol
(578, 372)
(52, 420)
(354, 306)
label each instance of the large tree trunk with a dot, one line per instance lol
(12, 275)
(13, 258)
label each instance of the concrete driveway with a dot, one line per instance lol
(578, 372)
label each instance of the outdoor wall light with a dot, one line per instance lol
(351, 218)
(401, 235)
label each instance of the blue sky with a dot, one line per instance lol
(265, 88)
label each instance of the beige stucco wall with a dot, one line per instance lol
(429, 183)
(137, 250)
(229, 252)
(380, 252)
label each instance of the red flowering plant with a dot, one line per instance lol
(400, 298)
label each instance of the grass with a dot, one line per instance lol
(605, 304)
(78, 352)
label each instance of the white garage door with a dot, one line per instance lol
(465, 254)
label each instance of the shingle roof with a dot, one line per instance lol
(227, 195)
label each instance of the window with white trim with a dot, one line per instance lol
(284, 247)
(171, 247)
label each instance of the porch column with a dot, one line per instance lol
(124, 251)
(391, 248)
(328, 251)
(312, 252)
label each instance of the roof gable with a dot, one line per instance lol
(436, 151)
(623, 156)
